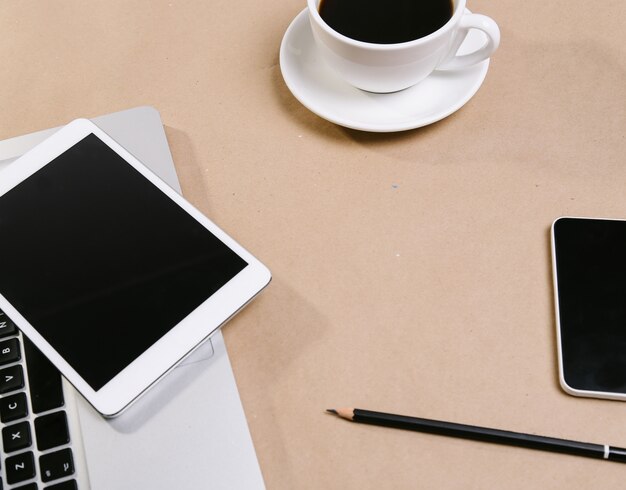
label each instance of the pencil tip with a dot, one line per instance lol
(332, 410)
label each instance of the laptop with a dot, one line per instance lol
(187, 432)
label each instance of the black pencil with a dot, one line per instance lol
(531, 441)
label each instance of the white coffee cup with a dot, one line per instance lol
(386, 68)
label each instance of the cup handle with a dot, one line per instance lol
(472, 21)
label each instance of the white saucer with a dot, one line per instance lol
(316, 86)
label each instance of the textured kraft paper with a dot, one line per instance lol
(411, 271)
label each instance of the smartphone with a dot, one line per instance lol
(589, 268)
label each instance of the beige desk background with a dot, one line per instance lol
(411, 271)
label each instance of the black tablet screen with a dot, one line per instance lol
(101, 262)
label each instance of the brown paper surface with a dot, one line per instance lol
(411, 271)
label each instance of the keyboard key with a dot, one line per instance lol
(11, 378)
(51, 430)
(56, 465)
(15, 437)
(10, 351)
(66, 485)
(7, 327)
(13, 407)
(44, 379)
(20, 467)
(29, 486)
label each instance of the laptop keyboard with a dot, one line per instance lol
(36, 452)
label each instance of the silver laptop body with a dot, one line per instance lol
(189, 431)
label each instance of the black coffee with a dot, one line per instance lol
(385, 21)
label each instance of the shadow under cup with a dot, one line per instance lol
(390, 67)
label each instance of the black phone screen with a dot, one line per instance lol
(590, 264)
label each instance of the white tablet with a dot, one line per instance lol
(112, 274)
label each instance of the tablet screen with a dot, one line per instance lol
(101, 262)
